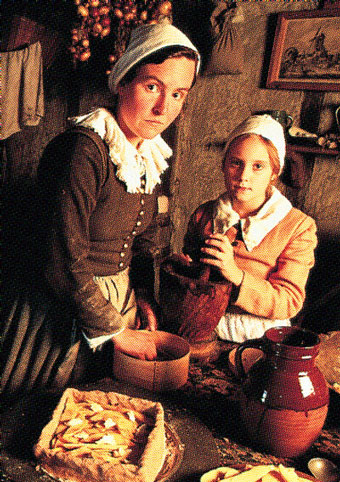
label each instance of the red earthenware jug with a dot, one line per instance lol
(285, 397)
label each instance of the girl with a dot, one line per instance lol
(253, 236)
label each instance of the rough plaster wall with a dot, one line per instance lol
(218, 103)
(322, 200)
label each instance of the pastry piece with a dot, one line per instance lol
(95, 436)
(257, 473)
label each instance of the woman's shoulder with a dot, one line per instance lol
(74, 136)
(87, 138)
(76, 149)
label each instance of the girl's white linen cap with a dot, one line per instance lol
(145, 40)
(265, 126)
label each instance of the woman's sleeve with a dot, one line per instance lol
(281, 296)
(67, 270)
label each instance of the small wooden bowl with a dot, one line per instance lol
(168, 372)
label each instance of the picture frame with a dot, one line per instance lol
(306, 51)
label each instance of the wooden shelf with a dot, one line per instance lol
(314, 150)
(298, 155)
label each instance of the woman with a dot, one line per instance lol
(99, 185)
(253, 236)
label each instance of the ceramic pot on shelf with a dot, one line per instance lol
(284, 401)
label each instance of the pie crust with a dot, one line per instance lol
(64, 466)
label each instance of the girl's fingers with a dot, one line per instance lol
(217, 251)
(220, 242)
(217, 236)
(208, 250)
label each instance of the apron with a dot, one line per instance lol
(40, 342)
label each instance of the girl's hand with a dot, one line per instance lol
(221, 255)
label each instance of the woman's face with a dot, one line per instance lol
(248, 173)
(154, 98)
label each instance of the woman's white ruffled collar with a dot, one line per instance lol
(254, 228)
(132, 164)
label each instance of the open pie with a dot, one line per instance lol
(95, 436)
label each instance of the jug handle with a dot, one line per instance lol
(256, 343)
(290, 121)
(337, 116)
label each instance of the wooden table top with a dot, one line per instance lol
(204, 413)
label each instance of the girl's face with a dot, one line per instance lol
(248, 173)
(154, 98)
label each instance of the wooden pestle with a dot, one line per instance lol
(205, 273)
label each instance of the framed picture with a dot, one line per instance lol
(306, 51)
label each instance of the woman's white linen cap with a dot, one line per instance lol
(265, 126)
(145, 40)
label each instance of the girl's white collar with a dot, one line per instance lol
(132, 164)
(254, 228)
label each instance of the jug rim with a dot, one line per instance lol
(286, 336)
